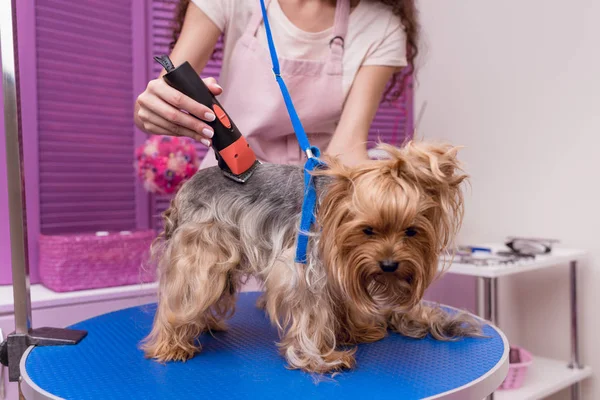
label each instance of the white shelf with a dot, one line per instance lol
(557, 257)
(544, 377)
(43, 297)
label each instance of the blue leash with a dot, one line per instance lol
(313, 153)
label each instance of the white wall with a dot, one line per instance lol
(518, 83)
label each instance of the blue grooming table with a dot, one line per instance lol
(244, 363)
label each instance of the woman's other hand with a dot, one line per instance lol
(349, 142)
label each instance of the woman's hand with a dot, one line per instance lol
(349, 142)
(158, 109)
(163, 110)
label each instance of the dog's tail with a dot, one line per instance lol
(441, 324)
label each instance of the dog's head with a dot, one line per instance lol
(385, 224)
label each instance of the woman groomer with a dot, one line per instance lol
(336, 58)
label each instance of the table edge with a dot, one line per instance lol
(477, 389)
(487, 383)
(29, 389)
(502, 271)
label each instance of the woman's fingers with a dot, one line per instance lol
(153, 120)
(174, 116)
(156, 130)
(180, 101)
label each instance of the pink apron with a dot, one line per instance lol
(253, 99)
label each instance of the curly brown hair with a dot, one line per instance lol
(406, 10)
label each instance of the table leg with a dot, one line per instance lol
(487, 304)
(487, 299)
(575, 362)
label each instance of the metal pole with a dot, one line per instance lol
(576, 391)
(494, 297)
(487, 299)
(574, 324)
(14, 159)
(487, 304)
(482, 296)
(575, 361)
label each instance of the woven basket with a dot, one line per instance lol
(95, 260)
(517, 371)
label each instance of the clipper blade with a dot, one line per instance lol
(244, 176)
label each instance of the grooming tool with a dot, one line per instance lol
(474, 249)
(234, 155)
(530, 246)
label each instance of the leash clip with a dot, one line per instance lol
(312, 152)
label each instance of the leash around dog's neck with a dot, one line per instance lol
(310, 195)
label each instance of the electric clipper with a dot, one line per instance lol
(234, 155)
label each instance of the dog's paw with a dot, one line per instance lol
(332, 362)
(168, 351)
(340, 360)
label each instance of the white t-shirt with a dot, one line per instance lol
(375, 35)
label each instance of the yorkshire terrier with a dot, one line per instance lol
(381, 232)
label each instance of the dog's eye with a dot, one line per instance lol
(368, 231)
(410, 232)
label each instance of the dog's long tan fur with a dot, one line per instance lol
(217, 233)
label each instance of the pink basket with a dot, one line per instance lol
(517, 371)
(95, 260)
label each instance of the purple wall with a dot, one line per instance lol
(28, 87)
(85, 118)
(76, 68)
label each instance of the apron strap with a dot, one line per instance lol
(256, 19)
(340, 29)
(336, 45)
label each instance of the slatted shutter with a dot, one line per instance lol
(161, 16)
(392, 123)
(85, 95)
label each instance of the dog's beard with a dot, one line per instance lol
(389, 291)
(377, 292)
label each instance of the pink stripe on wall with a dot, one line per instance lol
(5, 265)
(140, 58)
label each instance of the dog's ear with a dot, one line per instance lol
(433, 166)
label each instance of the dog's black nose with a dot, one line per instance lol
(389, 265)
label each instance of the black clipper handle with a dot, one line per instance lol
(231, 149)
